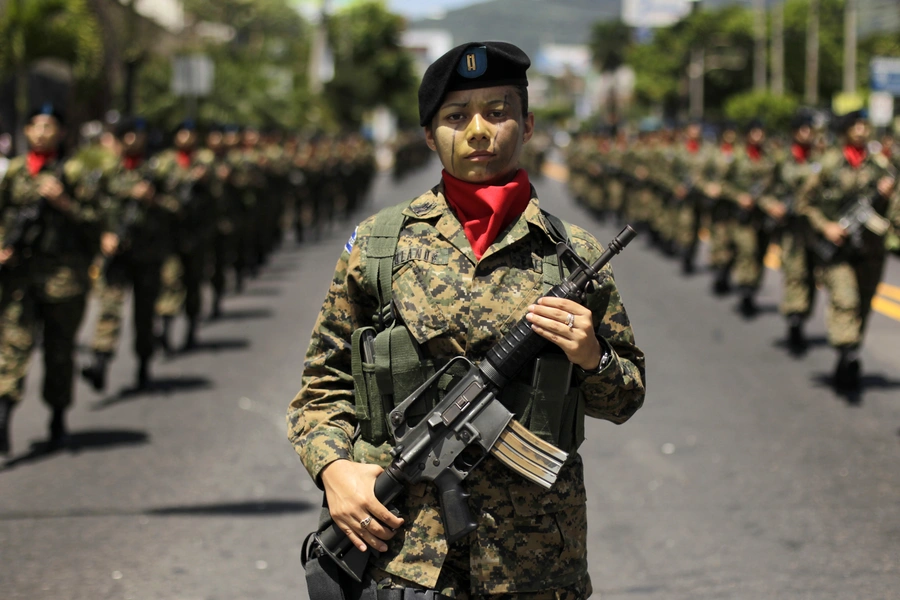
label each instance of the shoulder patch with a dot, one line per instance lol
(349, 245)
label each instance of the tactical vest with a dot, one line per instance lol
(388, 364)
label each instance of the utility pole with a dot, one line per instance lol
(317, 52)
(811, 97)
(696, 71)
(778, 48)
(850, 19)
(759, 53)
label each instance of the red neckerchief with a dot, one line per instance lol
(887, 152)
(800, 152)
(485, 210)
(727, 148)
(184, 158)
(693, 146)
(132, 162)
(855, 155)
(37, 160)
(754, 152)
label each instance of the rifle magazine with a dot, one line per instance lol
(528, 455)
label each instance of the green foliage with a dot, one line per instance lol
(63, 29)
(557, 113)
(371, 68)
(775, 111)
(610, 41)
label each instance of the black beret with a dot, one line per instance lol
(755, 124)
(847, 121)
(187, 125)
(131, 125)
(801, 119)
(47, 109)
(470, 66)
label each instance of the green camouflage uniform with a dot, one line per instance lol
(799, 282)
(752, 176)
(138, 263)
(528, 539)
(850, 279)
(46, 285)
(721, 245)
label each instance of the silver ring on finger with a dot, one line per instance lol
(365, 522)
(570, 321)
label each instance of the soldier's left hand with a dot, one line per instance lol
(886, 186)
(550, 319)
(52, 189)
(777, 210)
(745, 201)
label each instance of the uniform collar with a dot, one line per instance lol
(433, 205)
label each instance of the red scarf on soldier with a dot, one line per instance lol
(36, 161)
(184, 158)
(132, 162)
(486, 210)
(800, 152)
(754, 152)
(693, 146)
(855, 155)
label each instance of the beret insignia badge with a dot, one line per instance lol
(473, 63)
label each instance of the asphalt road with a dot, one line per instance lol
(742, 477)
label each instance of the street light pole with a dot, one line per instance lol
(759, 54)
(696, 70)
(850, 18)
(812, 55)
(778, 48)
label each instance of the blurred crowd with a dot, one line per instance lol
(820, 200)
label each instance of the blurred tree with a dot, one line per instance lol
(775, 111)
(610, 41)
(33, 30)
(371, 68)
(260, 76)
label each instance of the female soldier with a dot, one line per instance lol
(472, 256)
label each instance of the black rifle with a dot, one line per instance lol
(470, 415)
(24, 231)
(857, 218)
(123, 232)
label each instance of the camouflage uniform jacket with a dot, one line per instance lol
(746, 175)
(196, 207)
(152, 235)
(826, 193)
(527, 538)
(62, 252)
(789, 177)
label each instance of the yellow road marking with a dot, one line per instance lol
(556, 172)
(889, 291)
(886, 307)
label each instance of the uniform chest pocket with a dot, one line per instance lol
(427, 290)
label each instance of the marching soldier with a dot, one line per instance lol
(851, 181)
(141, 217)
(49, 233)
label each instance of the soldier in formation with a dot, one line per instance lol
(806, 195)
(118, 220)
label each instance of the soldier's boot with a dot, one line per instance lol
(59, 434)
(687, 262)
(6, 408)
(190, 339)
(748, 306)
(164, 339)
(239, 281)
(722, 282)
(797, 344)
(143, 374)
(95, 373)
(847, 371)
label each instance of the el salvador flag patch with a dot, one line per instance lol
(349, 245)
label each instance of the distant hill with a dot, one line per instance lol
(527, 23)
(533, 23)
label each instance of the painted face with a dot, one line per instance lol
(693, 131)
(803, 135)
(214, 140)
(133, 142)
(43, 133)
(756, 136)
(729, 136)
(185, 138)
(479, 134)
(858, 134)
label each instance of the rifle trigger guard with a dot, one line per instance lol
(397, 418)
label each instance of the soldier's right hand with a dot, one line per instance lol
(5, 254)
(834, 233)
(713, 190)
(109, 243)
(350, 491)
(143, 190)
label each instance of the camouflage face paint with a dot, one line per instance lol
(479, 134)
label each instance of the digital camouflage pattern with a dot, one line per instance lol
(528, 538)
(851, 281)
(49, 285)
